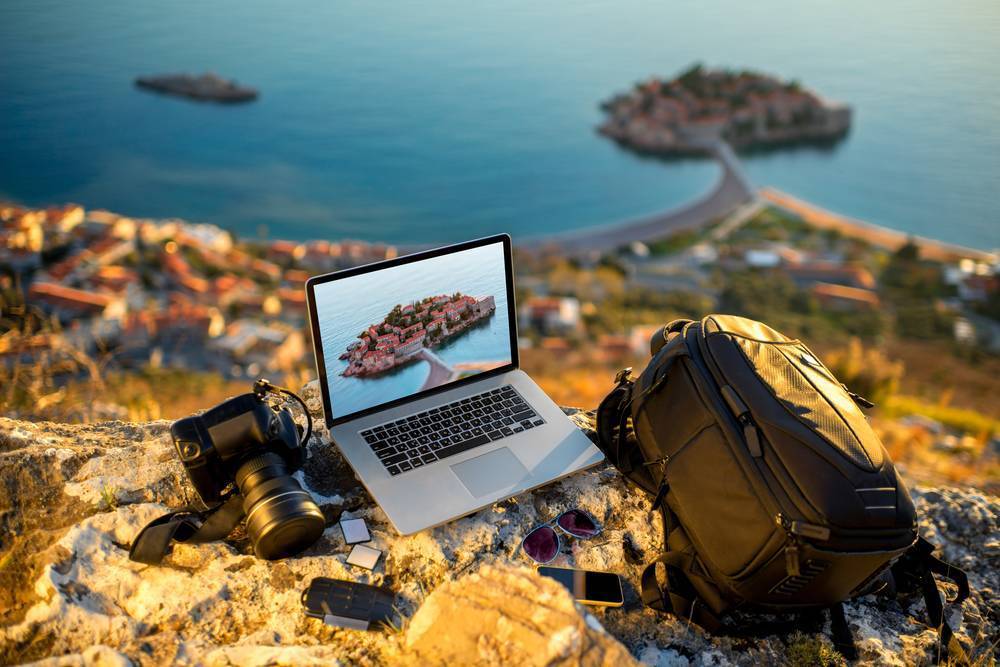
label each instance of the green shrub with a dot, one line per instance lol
(811, 651)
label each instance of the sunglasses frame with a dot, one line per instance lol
(559, 545)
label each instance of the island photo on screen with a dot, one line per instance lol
(402, 330)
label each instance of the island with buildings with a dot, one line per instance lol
(408, 330)
(208, 87)
(694, 111)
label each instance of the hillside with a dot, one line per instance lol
(75, 496)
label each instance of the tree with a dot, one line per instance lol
(692, 76)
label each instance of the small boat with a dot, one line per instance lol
(207, 87)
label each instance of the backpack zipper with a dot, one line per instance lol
(745, 419)
(861, 401)
(661, 492)
(795, 531)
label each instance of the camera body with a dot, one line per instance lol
(212, 446)
(247, 443)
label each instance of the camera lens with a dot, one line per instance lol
(281, 517)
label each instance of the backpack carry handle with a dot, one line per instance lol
(663, 334)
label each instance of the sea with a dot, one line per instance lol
(441, 120)
(345, 308)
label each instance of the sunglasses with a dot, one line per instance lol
(542, 544)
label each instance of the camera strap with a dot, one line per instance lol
(154, 540)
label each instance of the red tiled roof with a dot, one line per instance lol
(284, 247)
(824, 291)
(65, 267)
(103, 245)
(296, 276)
(193, 283)
(831, 271)
(262, 266)
(539, 305)
(68, 297)
(293, 296)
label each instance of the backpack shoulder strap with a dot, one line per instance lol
(918, 566)
(843, 638)
(615, 437)
(153, 541)
(686, 594)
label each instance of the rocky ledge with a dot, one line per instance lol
(72, 498)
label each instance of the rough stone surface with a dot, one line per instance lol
(72, 498)
(508, 616)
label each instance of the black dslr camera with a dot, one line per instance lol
(247, 442)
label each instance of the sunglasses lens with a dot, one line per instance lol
(578, 524)
(542, 544)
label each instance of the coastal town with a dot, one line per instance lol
(95, 299)
(133, 294)
(409, 329)
(691, 112)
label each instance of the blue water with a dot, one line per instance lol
(347, 307)
(443, 120)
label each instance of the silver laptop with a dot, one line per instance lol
(417, 360)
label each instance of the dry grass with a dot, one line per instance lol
(577, 378)
(59, 382)
(914, 449)
(574, 378)
(935, 374)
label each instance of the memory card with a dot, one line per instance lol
(363, 556)
(355, 531)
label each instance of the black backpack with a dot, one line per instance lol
(775, 493)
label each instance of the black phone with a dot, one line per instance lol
(600, 589)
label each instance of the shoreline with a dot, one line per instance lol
(724, 200)
(885, 237)
(732, 185)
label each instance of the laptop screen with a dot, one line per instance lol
(412, 326)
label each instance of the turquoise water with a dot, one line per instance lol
(347, 307)
(443, 120)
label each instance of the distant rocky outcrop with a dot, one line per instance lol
(72, 498)
(206, 87)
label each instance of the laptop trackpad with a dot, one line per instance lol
(490, 472)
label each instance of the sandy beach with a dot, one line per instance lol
(874, 234)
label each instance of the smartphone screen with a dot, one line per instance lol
(602, 588)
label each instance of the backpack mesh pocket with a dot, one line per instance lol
(817, 400)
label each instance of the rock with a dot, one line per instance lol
(206, 87)
(507, 616)
(73, 496)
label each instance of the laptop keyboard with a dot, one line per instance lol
(426, 437)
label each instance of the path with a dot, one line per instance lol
(732, 191)
(440, 372)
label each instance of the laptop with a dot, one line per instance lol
(418, 367)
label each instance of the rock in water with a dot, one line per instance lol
(73, 497)
(207, 87)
